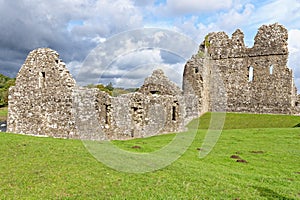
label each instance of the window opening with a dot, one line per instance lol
(42, 76)
(107, 114)
(155, 92)
(174, 113)
(271, 69)
(250, 74)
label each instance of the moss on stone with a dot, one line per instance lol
(207, 43)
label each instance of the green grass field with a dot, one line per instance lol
(48, 168)
(3, 114)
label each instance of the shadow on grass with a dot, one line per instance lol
(297, 126)
(270, 194)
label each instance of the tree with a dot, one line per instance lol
(109, 86)
(5, 83)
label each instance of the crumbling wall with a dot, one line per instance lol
(138, 115)
(41, 101)
(157, 108)
(46, 101)
(86, 114)
(231, 64)
(223, 76)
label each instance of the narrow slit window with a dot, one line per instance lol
(250, 74)
(107, 114)
(174, 113)
(271, 69)
(42, 76)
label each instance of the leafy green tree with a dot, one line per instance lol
(5, 83)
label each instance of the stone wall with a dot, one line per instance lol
(41, 101)
(46, 100)
(157, 108)
(230, 65)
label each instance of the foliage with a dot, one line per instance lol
(106, 89)
(201, 54)
(109, 86)
(5, 83)
(3, 114)
(207, 42)
(48, 168)
(112, 91)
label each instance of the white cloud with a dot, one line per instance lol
(74, 27)
(294, 56)
(131, 69)
(195, 6)
(283, 11)
(235, 17)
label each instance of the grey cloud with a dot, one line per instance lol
(26, 25)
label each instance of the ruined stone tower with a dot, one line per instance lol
(227, 76)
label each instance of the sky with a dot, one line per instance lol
(74, 28)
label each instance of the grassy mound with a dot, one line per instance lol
(248, 162)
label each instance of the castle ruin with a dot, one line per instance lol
(223, 76)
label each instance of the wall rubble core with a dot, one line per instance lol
(224, 75)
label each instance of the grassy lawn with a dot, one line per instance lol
(3, 114)
(48, 168)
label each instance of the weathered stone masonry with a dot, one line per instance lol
(41, 101)
(226, 63)
(46, 100)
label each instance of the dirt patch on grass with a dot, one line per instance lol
(257, 152)
(136, 147)
(241, 161)
(235, 157)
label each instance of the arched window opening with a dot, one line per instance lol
(250, 74)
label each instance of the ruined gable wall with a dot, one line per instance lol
(149, 112)
(41, 101)
(158, 83)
